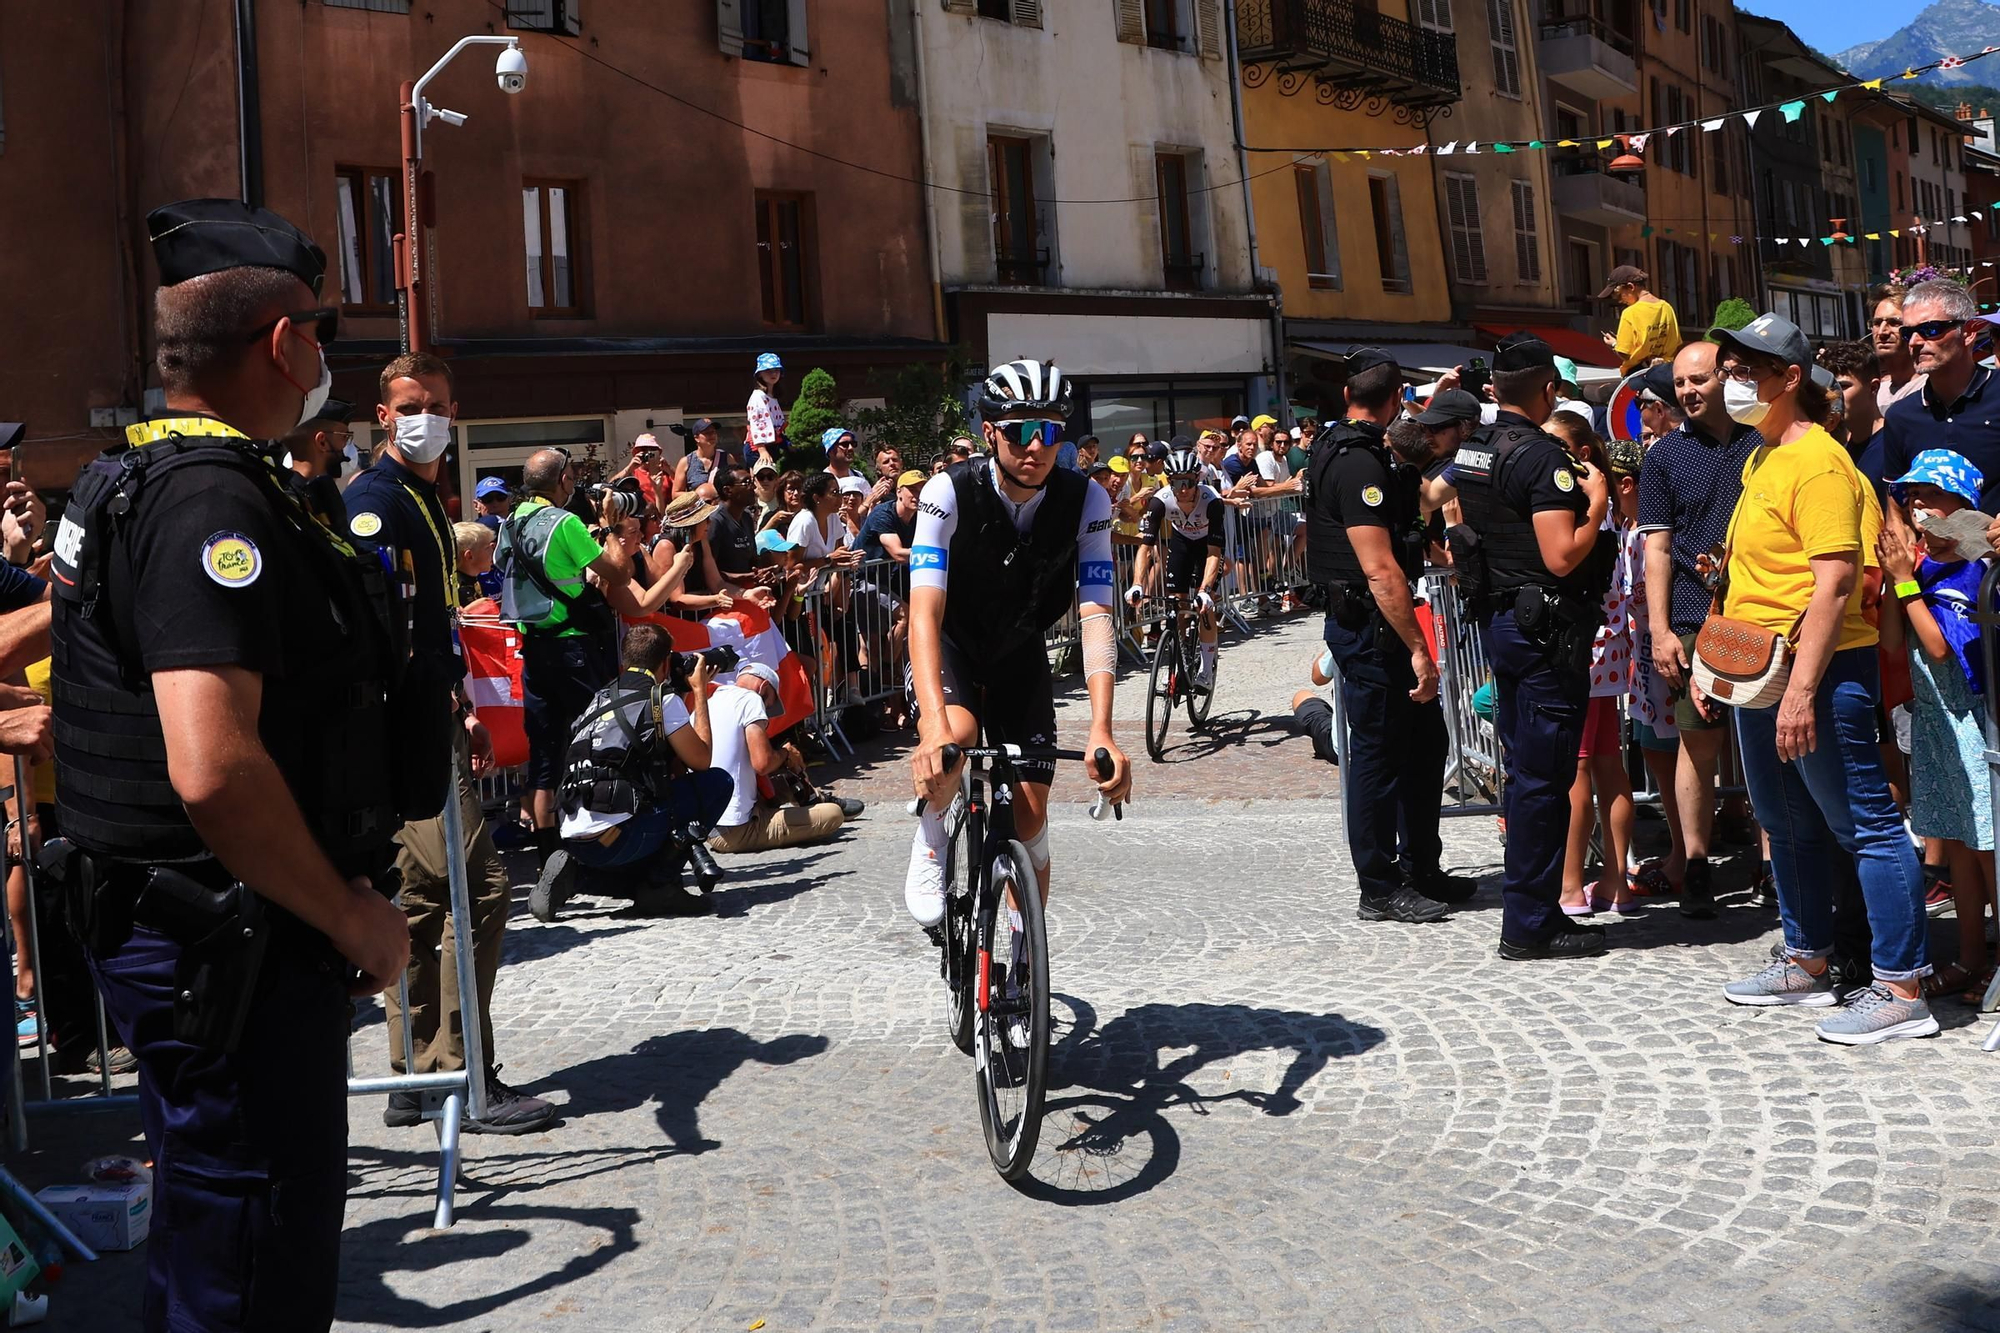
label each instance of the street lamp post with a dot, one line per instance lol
(511, 72)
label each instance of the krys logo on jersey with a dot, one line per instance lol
(927, 557)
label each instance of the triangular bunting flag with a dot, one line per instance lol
(1604, 143)
(1959, 218)
(1637, 141)
(1736, 240)
(1829, 94)
(1791, 110)
(1503, 148)
(1448, 149)
(1874, 236)
(1750, 117)
(1536, 143)
(1872, 83)
(1894, 232)
(1711, 126)
(1419, 150)
(1672, 130)
(1565, 143)
(1826, 240)
(1907, 74)
(1783, 240)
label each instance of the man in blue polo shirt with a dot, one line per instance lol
(1688, 486)
(1959, 405)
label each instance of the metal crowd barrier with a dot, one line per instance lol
(1987, 615)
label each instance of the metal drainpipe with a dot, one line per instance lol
(1276, 296)
(924, 147)
(249, 106)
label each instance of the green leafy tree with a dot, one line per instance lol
(922, 410)
(1732, 314)
(816, 410)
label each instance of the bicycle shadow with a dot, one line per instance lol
(1231, 730)
(1111, 1138)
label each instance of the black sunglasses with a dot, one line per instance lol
(1930, 330)
(325, 321)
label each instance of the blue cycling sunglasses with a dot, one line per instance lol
(1021, 434)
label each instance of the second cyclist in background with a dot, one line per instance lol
(1190, 516)
(1018, 540)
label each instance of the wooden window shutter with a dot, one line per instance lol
(1208, 28)
(799, 52)
(1132, 22)
(1027, 13)
(729, 24)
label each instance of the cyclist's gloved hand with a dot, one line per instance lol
(1135, 595)
(1202, 601)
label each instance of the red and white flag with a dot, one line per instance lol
(493, 677)
(748, 629)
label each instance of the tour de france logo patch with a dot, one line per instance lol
(232, 560)
(1371, 496)
(365, 525)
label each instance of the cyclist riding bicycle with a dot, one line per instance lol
(1021, 538)
(1191, 514)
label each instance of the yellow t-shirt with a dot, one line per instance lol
(44, 774)
(1799, 500)
(1645, 330)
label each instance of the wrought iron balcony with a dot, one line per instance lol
(1348, 50)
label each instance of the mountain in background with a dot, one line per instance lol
(1946, 28)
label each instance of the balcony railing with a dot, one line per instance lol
(1582, 25)
(1350, 45)
(1022, 270)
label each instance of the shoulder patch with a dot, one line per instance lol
(1371, 496)
(365, 524)
(1565, 480)
(232, 560)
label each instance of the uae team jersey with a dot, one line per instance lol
(1198, 525)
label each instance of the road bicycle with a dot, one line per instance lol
(995, 948)
(1176, 652)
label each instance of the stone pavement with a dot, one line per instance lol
(1262, 1109)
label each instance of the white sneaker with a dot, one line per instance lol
(1204, 674)
(923, 887)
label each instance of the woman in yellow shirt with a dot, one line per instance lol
(1647, 326)
(1800, 546)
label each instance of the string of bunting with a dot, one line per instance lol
(1636, 141)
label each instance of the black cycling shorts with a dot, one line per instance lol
(1014, 699)
(1184, 562)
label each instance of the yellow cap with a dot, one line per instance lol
(911, 478)
(1260, 422)
(1119, 463)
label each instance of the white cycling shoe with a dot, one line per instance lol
(1204, 675)
(923, 887)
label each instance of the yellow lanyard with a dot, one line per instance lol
(160, 428)
(447, 566)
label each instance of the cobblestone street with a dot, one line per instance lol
(1262, 1108)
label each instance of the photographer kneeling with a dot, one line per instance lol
(743, 750)
(637, 795)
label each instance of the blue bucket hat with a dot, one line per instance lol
(1945, 469)
(768, 361)
(833, 435)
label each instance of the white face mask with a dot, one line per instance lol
(422, 437)
(1743, 404)
(316, 397)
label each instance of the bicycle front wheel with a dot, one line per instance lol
(1160, 690)
(1010, 1055)
(1198, 701)
(957, 963)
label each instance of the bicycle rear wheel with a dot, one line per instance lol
(1010, 1056)
(1160, 690)
(956, 966)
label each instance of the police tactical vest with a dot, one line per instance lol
(1507, 536)
(1016, 585)
(1330, 558)
(325, 719)
(612, 766)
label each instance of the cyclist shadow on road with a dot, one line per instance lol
(678, 1070)
(1105, 1134)
(1226, 731)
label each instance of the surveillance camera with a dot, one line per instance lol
(451, 118)
(511, 70)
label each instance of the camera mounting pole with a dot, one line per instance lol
(411, 316)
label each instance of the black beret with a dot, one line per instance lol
(1367, 358)
(1525, 354)
(334, 410)
(199, 236)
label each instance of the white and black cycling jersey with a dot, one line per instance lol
(1199, 524)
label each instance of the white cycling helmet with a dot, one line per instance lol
(1024, 386)
(1183, 463)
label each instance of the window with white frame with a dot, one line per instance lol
(1432, 14)
(1506, 55)
(1461, 208)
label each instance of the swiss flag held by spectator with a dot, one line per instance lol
(493, 675)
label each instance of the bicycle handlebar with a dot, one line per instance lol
(951, 754)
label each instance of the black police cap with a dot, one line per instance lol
(1659, 381)
(201, 236)
(1367, 358)
(1524, 354)
(335, 411)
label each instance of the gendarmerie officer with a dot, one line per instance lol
(223, 672)
(1534, 572)
(1364, 545)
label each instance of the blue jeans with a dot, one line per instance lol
(696, 798)
(1837, 797)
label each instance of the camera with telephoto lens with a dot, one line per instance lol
(722, 660)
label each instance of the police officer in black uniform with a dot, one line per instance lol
(1364, 546)
(316, 454)
(223, 672)
(1534, 571)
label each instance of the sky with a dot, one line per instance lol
(1835, 25)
